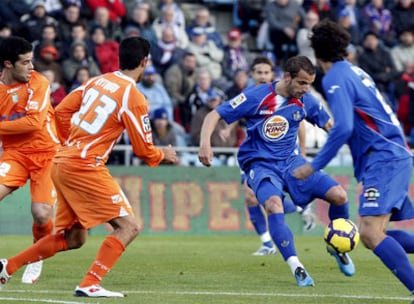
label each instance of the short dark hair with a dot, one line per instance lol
(261, 60)
(12, 47)
(296, 63)
(132, 51)
(329, 40)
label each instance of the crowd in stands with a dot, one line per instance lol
(195, 66)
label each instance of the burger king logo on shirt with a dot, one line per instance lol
(275, 127)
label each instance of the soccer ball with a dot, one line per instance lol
(341, 235)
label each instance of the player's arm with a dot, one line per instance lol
(205, 153)
(138, 126)
(302, 138)
(37, 108)
(64, 112)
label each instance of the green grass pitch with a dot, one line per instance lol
(206, 269)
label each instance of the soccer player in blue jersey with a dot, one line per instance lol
(382, 161)
(269, 154)
(262, 71)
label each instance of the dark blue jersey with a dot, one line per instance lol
(362, 119)
(272, 122)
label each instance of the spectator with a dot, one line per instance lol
(377, 18)
(79, 58)
(82, 74)
(166, 19)
(283, 18)
(240, 82)
(248, 15)
(140, 19)
(198, 97)
(202, 20)
(131, 31)
(50, 37)
(53, 7)
(345, 19)
(105, 50)
(324, 9)
(33, 22)
(236, 56)
(377, 62)
(5, 30)
(402, 15)
(113, 30)
(165, 131)
(48, 60)
(403, 53)
(223, 135)
(302, 37)
(155, 92)
(166, 51)
(78, 32)
(208, 55)
(11, 11)
(71, 16)
(179, 80)
(57, 90)
(116, 8)
(179, 16)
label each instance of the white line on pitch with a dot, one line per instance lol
(241, 294)
(38, 300)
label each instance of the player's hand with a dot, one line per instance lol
(303, 171)
(205, 155)
(170, 155)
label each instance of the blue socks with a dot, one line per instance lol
(338, 211)
(281, 235)
(392, 254)
(258, 219)
(406, 239)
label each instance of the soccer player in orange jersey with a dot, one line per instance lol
(89, 122)
(28, 137)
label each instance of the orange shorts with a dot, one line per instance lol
(16, 168)
(86, 195)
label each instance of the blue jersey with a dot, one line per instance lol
(272, 122)
(362, 119)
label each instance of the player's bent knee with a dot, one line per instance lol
(337, 195)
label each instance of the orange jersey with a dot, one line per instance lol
(27, 116)
(91, 119)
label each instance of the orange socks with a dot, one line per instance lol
(42, 249)
(40, 231)
(109, 253)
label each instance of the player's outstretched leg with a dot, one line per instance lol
(344, 262)
(283, 238)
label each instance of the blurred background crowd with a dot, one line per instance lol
(201, 52)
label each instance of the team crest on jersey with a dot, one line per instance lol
(275, 127)
(238, 100)
(146, 123)
(297, 116)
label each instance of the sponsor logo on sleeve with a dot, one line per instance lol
(146, 123)
(238, 100)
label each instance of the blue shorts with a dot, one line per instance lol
(385, 190)
(280, 175)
